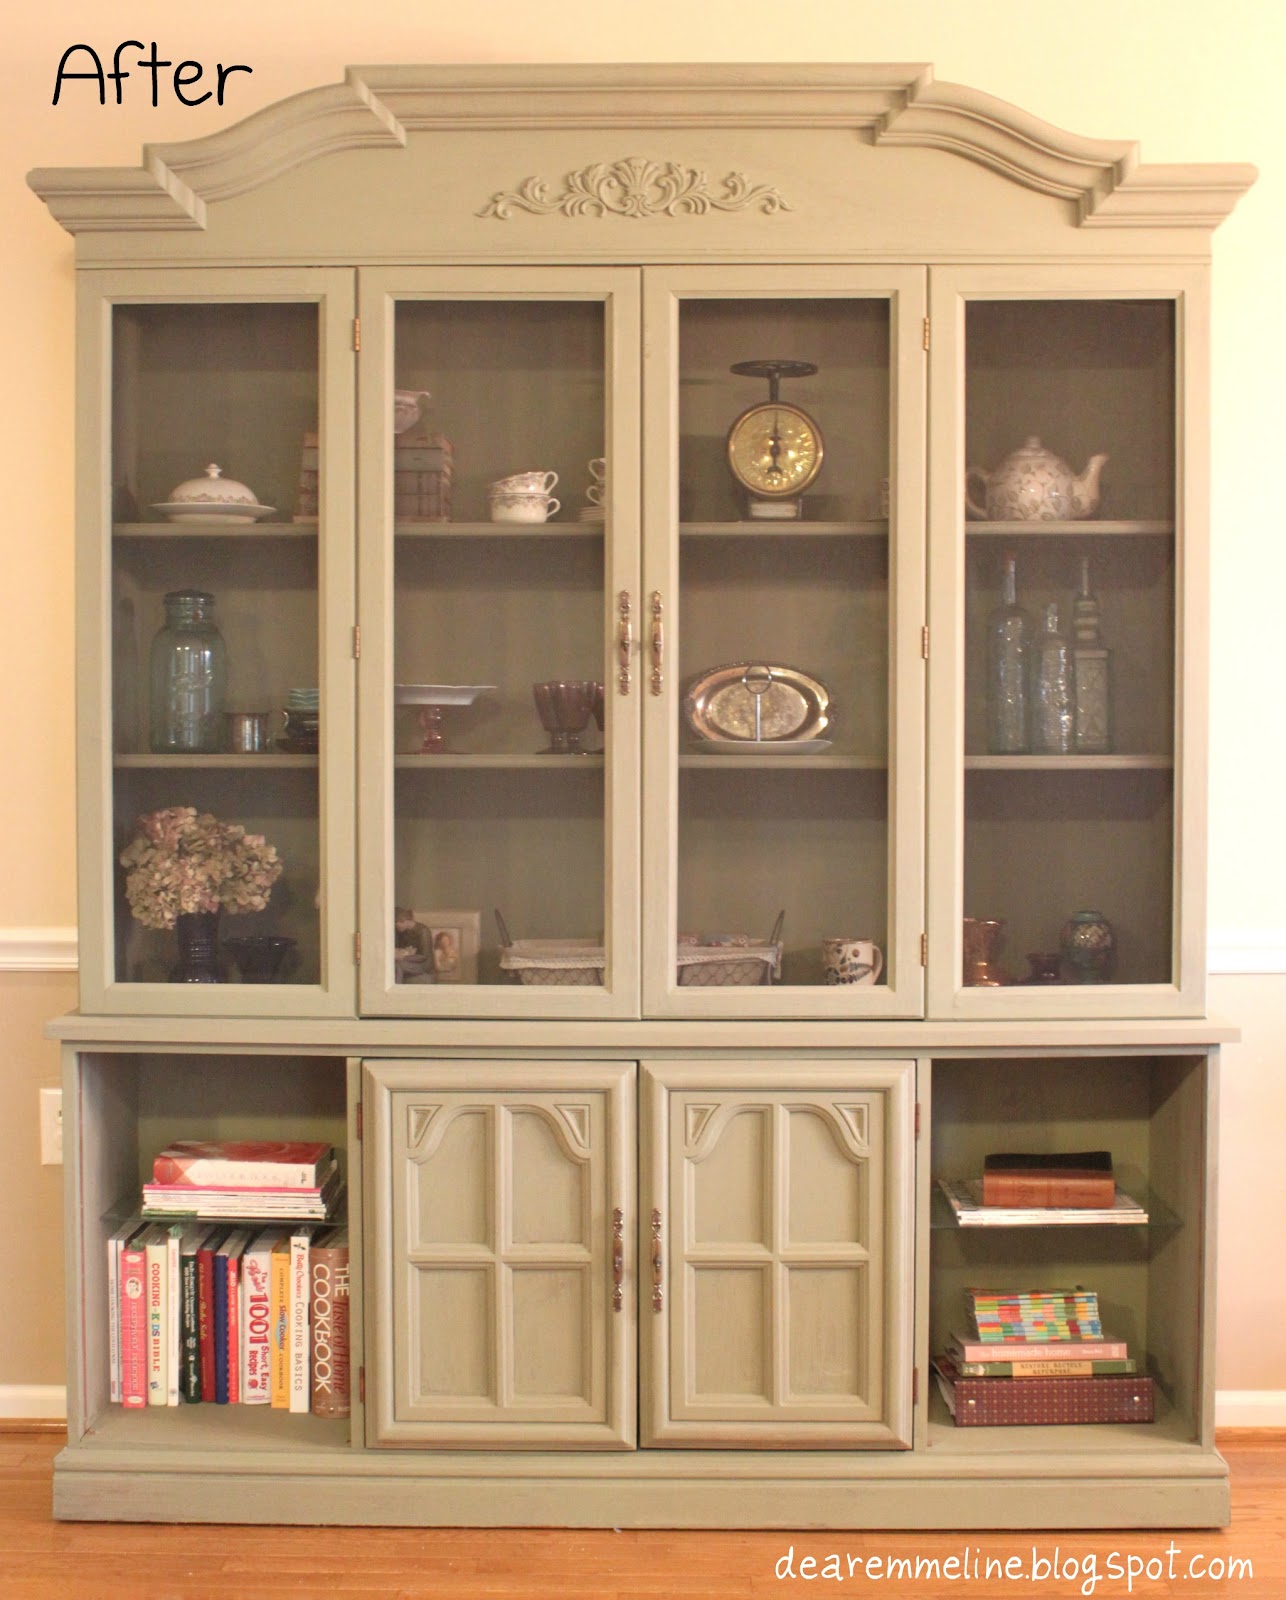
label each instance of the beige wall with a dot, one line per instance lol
(1191, 81)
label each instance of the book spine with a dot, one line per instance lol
(233, 1332)
(220, 1285)
(255, 1328)
(114, 1248)
(205, 1318)
(133, 1326)
(173, 1316)
(1044, 1369)
(158, 1273)
(189, 1329)
(330, 1332)
(209, 1172)
(1059, 1350)
(1069, 1191)
(279, 1312)
(299, 1317)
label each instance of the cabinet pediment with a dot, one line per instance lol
(889, 107)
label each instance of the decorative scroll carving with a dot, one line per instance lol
(635, 187)
(418, 1119)
(576, 1122)
(696, 1119)
(855, 1119)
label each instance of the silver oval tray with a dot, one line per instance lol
(721, 704)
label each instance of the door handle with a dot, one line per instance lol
(618, 1257)
(658, 1300)
(658, 642)
(624, 641)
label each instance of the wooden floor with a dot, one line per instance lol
(45, 1560)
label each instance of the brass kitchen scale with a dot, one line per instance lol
(775, 448)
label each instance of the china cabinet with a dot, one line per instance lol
(659, 477)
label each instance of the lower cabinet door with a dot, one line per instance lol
(496, 1194)
(776, 1253)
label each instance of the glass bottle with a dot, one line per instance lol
(1051, 688)
(1091, 673)
(188, 674)
(1009, 634)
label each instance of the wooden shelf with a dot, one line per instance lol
(762, 763)
(498, 530)
(757, 529)
(1072, 763)
(186, 531)
(534, 761)
(267, 760)
(1071, 529)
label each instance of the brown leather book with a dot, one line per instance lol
(1081, 1179)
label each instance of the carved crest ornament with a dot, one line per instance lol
(635, 187)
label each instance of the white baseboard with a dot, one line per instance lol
(28, 1402)
(38, 950)
(1234, 1408)
(1250, 1408)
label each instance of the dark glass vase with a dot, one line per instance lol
(197, 935)
(260, 956)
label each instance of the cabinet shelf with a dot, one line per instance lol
(185, 532)
(1073, 529)
(752, 528)
(1070, 763)
(266, 760)
(762, 763)
(943, 1219)
(498, 530)
(535, 761)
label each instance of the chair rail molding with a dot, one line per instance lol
(38, 950)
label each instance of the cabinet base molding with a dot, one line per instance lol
(971, 1493)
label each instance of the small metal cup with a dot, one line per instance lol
(248, 732)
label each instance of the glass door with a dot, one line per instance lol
(499, 754)
(1068, 547)
(783, 601)
(216, 684)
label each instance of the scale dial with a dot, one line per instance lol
(775, 450)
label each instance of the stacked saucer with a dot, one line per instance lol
(303, 722)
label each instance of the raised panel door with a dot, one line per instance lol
(776, 1250)
(499, 1197)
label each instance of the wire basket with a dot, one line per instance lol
(731, 966)
(553, 963)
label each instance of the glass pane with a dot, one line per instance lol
(498, 651)
(784, 637)
(1070, 641)
(215, 635)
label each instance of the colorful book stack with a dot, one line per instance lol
(1039, 1356)
(272, 1180)
(229, 1315)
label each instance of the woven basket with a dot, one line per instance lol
(731, 966)
(555, 962)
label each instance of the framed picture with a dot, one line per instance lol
(436, 946)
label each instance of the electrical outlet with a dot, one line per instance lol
(51, 1127)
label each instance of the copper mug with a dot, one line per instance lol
(248, 732)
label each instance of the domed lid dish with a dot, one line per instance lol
(213, 498)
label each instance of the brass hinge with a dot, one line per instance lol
(924, 641)
(357, 335)
(924, 949)
(926, 333)
(357, 642)
(357, 949)
(359, 1120)
(915, 1384)
(361, 1384)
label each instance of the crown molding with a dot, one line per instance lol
(38, 950)
(894, 104)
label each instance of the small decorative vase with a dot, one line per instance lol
(197, 933)
(983, 937)
(1044, 967)
(1088, 944)
(259, 956)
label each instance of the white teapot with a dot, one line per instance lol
(1032, 484)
